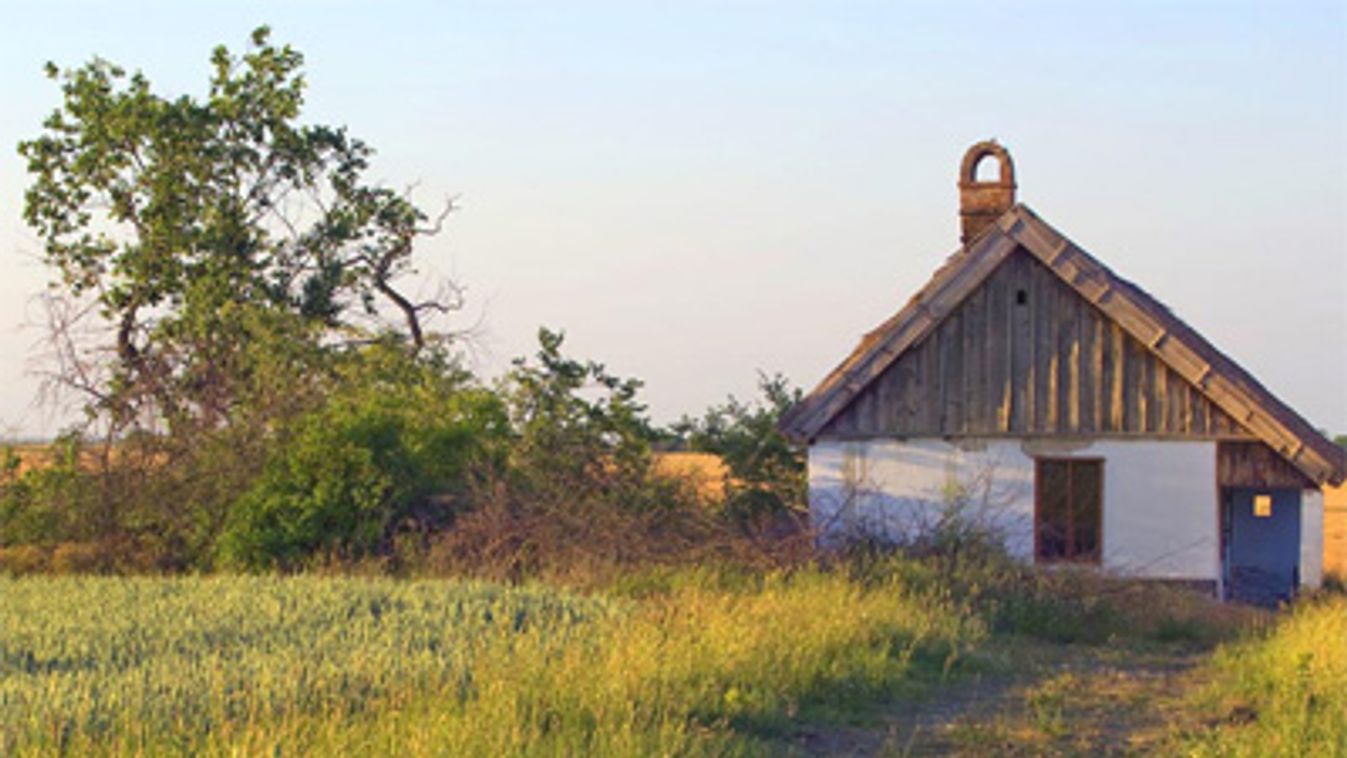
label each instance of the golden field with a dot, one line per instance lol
(1335, 530)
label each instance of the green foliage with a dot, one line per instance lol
(577, 496)
(248, 274)
(197, 226)
(49, 502)
(766, 470)
(580, 432)
(398, 439)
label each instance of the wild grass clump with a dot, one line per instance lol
(1281, 693)
(1061, 605)
(1080, 606)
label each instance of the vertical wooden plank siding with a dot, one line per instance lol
(1025, 354)
(1118, 406)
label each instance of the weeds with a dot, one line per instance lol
(1279, 694)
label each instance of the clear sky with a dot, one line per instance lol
(696, 190)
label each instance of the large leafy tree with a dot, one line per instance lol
(190, 231)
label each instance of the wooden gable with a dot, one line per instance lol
(916, 404)
(1025, 354)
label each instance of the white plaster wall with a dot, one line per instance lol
(895, 491)
(1160, 510)
(1161, 513)
(1311, 538)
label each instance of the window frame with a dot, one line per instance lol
(1093, 559)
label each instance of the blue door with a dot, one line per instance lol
(1261, 531)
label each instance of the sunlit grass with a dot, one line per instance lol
(1281, 695)
(350, 666)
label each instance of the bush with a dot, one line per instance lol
(766, 472)
(53, 499)
(390, 452)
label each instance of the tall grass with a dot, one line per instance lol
(1283, 694)
(345, 666)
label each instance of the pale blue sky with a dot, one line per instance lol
(698, 190)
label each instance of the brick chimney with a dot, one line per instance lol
(981, 203)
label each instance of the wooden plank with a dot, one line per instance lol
(994, 356)
(1044, 345)
(1117, 403)
(930, 410)
(968, 349)
(911, 397)
(1068, 355)
(886, 402)
(1161, 387)
(1023, 344)
(1096, 381)
(986, 418)
(951, 367)
(1201, 418)
(999, 348)
(1051, 344)
(977, 410)
(1019, 323)
(1189, 398)
(1133, 360)
(1177, 387)
(1146, 391)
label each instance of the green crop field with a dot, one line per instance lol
(119, 664)
(310, 665)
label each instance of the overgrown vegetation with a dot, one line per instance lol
(231, 302)
(1280, 693)
(549, 472)
(766, 473)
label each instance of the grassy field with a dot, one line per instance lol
(698, 665)
(894, 658)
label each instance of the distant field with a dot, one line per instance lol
(706, 470)
(1335, 530)
(36, 455)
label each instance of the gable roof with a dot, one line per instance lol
(1167, 337)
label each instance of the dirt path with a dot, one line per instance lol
(1031, 699)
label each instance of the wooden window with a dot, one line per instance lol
(1068, 519)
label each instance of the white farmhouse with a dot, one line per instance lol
(1029, 387)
